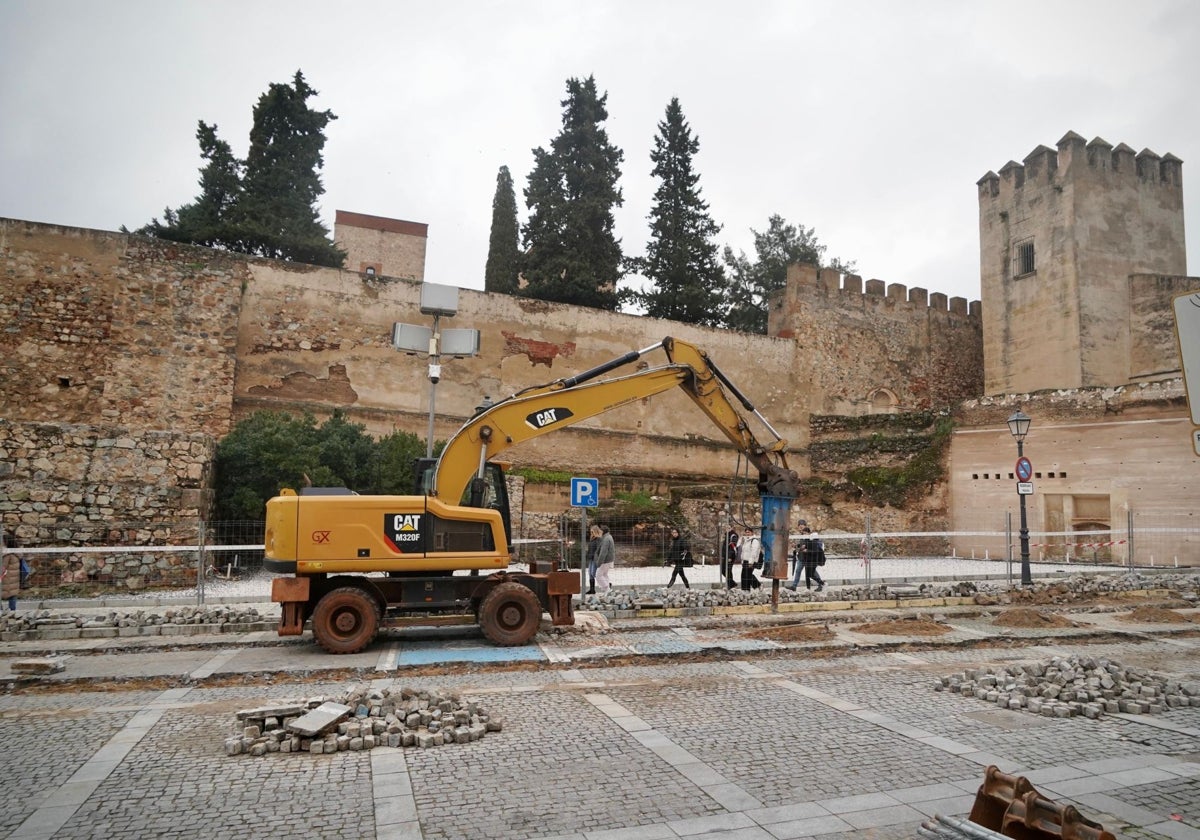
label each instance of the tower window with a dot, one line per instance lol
(1023, 258)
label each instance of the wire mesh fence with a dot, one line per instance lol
(141, 557)
(126, 558)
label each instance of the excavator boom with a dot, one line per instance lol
(565, 402)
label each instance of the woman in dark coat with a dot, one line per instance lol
(679, 555)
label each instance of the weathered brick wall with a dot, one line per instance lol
(1129, 447)
(877, 349)
(321, 339)
(103, 327)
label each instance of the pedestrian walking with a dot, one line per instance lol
(811, 555)
(10, 574)
(593, 545)
(606, 557)
(750, 553)
(679, 555)
(729, 557)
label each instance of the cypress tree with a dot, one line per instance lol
(571, 254)
(502, 269)
(687, 281)
(277, 214)
(265, 205)
(205, 221)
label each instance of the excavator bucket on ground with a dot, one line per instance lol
(1012, 806)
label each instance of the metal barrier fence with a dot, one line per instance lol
(231, 551)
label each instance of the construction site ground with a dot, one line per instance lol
(749, 724)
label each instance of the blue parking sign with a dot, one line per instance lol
(585, 492)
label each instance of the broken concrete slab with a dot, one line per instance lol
(41, 665)
(319, 719)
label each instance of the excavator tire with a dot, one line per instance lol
(510, 614)
(345, 620)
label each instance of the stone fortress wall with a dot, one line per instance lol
(382, 246)
(151, 336)
(878, 348)
(1082, 251)
(104, 328)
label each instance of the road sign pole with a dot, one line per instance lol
(583, 541)
(585, 493)
(1026, 573)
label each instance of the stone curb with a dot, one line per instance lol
(64, 633)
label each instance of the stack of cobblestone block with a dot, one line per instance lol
(1072, 686)
(362, 719)
(178, 621)
(1080, 587)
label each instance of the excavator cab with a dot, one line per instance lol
(490, 491)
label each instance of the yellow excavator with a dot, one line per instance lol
(354, 564)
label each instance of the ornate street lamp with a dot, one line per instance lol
(1018, 426)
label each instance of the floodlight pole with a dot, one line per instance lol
(436, 300)
(435, 373)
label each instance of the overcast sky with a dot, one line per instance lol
(869, 121)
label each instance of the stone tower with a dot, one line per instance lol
(382, 246)
(1071, 242)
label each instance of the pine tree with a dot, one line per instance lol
(265, 205)
(502, 269)
(751, 284)
(687, 281)
(571, 254)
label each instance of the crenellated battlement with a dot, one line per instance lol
(877, 346)
(851, 290)
(1077, 158)
(1060, 234)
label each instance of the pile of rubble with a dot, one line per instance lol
(362, 719)
(1067, 687)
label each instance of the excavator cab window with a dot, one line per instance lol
(423, 469)
(491, 491)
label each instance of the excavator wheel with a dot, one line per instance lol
(510, 614)
(345, 620)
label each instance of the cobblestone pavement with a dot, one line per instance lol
(649, 732)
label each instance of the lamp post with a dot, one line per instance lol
(1018, 426)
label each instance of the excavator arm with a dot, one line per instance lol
(564, 402)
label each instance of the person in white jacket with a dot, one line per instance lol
(750, 553)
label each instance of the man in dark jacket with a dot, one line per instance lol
(811, 553)
(729, 557)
